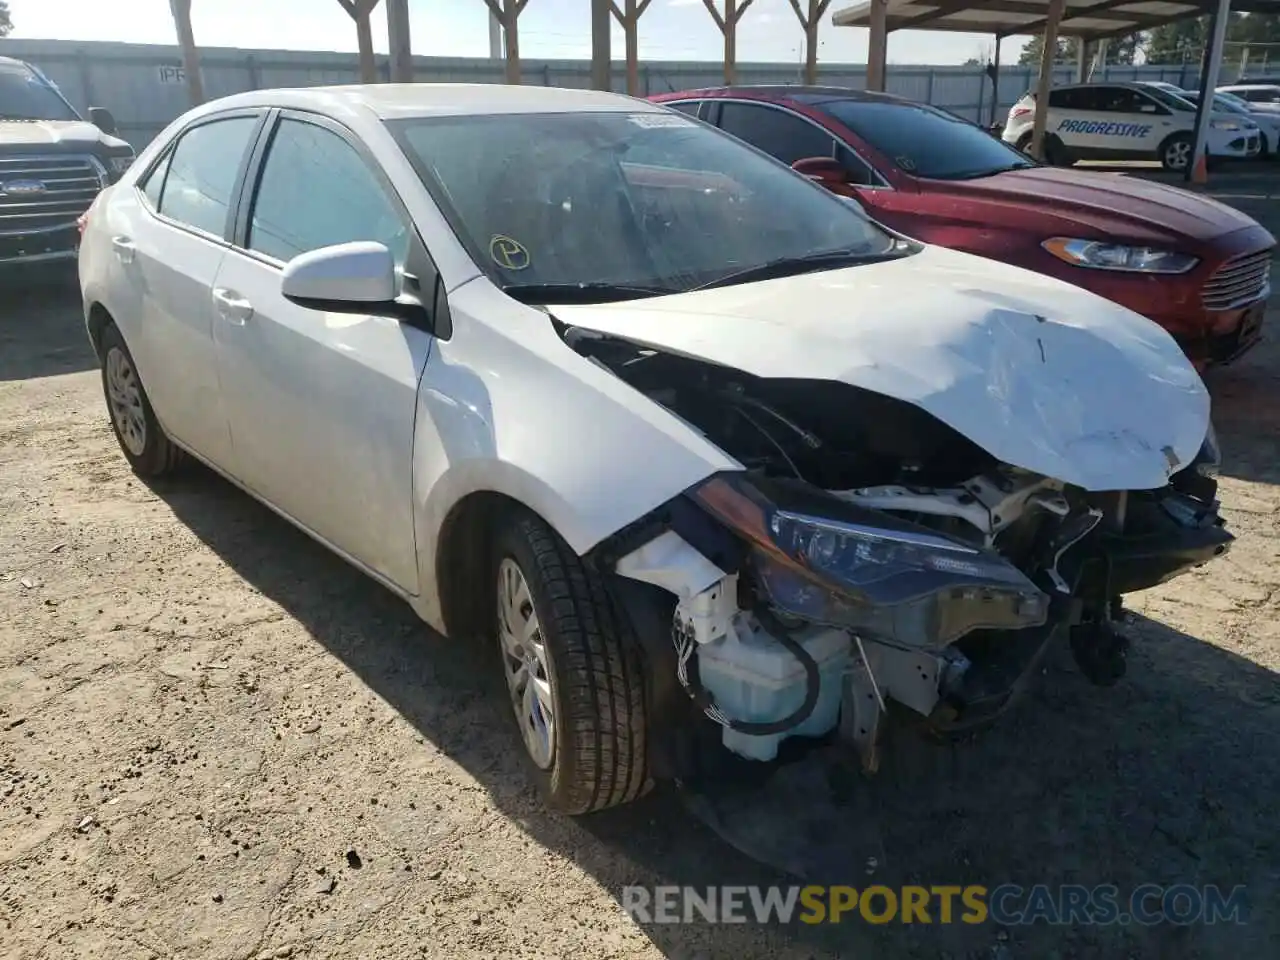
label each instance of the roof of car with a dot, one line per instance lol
(793, 91)
(1252, 86)
(401, 100)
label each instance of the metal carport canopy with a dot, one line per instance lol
(1089, 19)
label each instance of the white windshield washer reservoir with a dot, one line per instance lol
(754, 678)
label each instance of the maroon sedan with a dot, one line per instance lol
(1197, 267)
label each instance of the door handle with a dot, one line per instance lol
(124, 249)
(233, 307)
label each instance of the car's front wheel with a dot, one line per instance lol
(1175, 153)
(142, 440)
(574, 675)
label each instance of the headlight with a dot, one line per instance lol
(120, 164)
(1225, 124)
(1112, 256)
(828, 561)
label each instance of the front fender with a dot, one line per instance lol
(506, 407)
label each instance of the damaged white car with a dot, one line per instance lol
(720, 467)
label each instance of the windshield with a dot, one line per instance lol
(1225, 101)
(25, 95)
(925, 141)
(1172, 101)
(653, 202)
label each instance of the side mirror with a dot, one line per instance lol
(355, 277)
(825, 170)
(102, 118)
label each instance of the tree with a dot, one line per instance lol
(6, 24)
(1120, 50)
(1184, 41)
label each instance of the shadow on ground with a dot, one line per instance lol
(1167, 778)
(41, 326)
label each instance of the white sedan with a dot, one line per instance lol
(712, 460)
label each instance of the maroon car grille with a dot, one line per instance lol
(1239, 281)
(55, 191)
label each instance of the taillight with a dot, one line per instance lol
(1017, 112)
(83, 221)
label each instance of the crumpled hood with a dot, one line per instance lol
(1041, 374)
(55, 133)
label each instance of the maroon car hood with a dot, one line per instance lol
(1105, 201)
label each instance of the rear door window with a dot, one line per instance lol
(202, 173)
(690, 107)
(1075, 98)
(777, 132)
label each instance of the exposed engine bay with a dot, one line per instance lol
(869, 556)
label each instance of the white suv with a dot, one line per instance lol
(1126, 121)
(1260, 96)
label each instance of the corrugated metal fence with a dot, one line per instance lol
(144, 86)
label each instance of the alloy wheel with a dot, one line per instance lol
(526, 664)
(1178, 154)
(124, 396)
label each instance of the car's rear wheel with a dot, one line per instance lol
(142, 440)
(1175, 153)
(1056, 153)
(574, 676)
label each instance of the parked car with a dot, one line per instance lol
(1127, 121)
(52, 165)
(1268, 123)
(549, 365)
(1260, 96)
(1197, 267)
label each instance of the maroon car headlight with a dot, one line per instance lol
(1097, 255)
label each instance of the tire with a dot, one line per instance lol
(592, 754)
(1175, 153)
(1056, 153)
(1024, 143)
(142, 440)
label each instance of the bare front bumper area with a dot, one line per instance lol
(725, 655)
(48, 246)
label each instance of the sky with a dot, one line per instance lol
(669, 29)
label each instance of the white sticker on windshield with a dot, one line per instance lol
(660, 120)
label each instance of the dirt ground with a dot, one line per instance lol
(217, 741)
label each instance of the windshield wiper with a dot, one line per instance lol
(809, 263)
(582, 292)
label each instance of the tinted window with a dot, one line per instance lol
(202, 173)
(643, 199)
(1075, 98)
(1125, 100)
(316, 191)
(780, 134)
(155, 181)
(1267, 95)
(925, 141)
(25, 95)
(688, 106)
